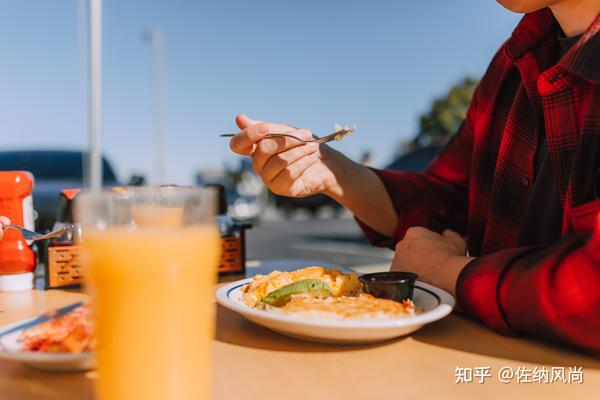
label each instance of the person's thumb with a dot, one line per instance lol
(244, 122)
(456, 239)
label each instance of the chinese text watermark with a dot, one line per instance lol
(506, 374)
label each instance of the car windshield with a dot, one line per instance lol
(51, 165)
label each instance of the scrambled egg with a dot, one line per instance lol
(341, 284)
(363, 307)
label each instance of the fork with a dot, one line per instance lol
(33, 236)
(337, 135)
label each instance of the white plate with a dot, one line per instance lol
(435, 303)
(10, 349)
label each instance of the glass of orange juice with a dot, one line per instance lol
(151, 258)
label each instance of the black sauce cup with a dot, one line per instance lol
(396, 286)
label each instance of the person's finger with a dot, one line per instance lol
(244, 142)
(286, 180)
(275, 145)
(456, 239)
(3, 221)
(417, 232)
(277, 163)
(398, 260)
(244, 122)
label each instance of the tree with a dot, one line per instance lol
(442, 121)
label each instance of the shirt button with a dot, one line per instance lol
(525, 181)
(557, 77)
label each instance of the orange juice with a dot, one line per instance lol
(145, 215)
(152, 293)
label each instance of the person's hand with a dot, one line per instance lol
(437, 259)
(3, 221)
(287, 167)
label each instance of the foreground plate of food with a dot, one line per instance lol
(327, 305)
(64, 343)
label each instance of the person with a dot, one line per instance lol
(506, 217)
(3, 221)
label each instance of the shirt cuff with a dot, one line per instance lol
(478, 287)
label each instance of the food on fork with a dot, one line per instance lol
(69, 333)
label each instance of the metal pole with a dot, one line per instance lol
(157, 40)
(82, 46)
(95, 54)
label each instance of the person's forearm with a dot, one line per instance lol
(493, 288)
(360, 190)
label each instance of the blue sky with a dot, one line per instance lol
(309, 63)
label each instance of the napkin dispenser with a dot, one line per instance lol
(62, 266)
(233, 237)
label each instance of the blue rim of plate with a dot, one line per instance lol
(445, 305)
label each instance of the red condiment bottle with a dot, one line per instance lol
(17, 260)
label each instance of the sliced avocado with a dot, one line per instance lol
(282, 295)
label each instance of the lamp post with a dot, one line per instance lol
(157, 41)
(95, 96)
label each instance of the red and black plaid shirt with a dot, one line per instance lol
(481, 182)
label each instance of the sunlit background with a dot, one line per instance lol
(309, 63)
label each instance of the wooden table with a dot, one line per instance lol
(254, 363)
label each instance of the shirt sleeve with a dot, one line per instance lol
(551, 292)
(437, 198)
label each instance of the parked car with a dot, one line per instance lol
(244, 201)
(53, 170)
(416, 160)
(312, 204)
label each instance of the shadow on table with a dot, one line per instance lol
(21, 382)
(460, 333)
(234, 329)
